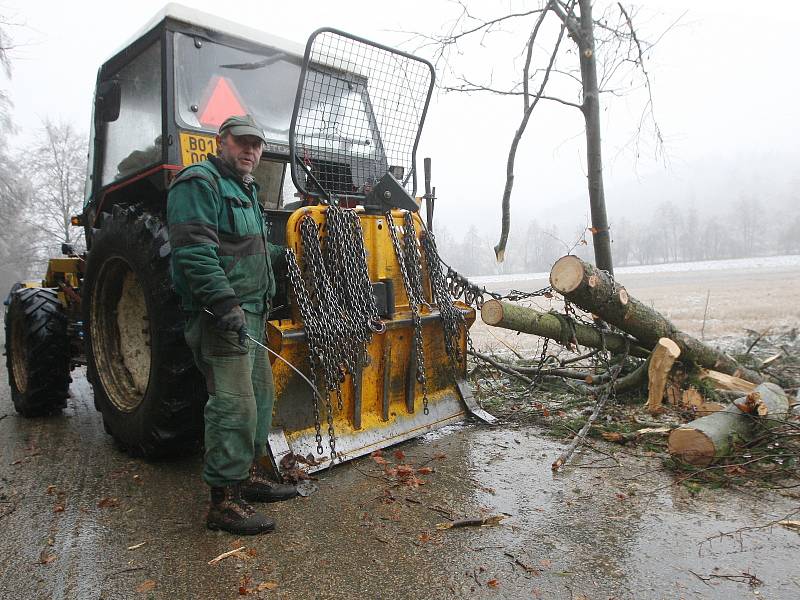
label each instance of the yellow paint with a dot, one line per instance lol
(286, 338)
(196, 147)
(63, 270)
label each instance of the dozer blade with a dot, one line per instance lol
(384, 403)
(382, 409)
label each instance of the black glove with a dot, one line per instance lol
(233, 320)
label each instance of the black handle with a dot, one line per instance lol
(429, 197)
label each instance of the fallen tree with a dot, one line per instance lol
(597, 292)
(702, 441)
(556, 327)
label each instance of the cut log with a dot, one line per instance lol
(661, 361)
(722, 381)
(691, 398)
(708, 438)
(527, 320)
(603, 296)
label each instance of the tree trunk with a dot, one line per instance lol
(706, 439)
(527, 320)
(596, 291)
(601, 238)
(661, 361)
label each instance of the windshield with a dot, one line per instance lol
(336, 116)
(213, 82)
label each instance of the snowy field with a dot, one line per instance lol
(762, 262)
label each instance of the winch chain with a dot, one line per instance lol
(331, 353)
(453, 322)
(473, 295)
(403, 254)
(313, 338)
(336, 304)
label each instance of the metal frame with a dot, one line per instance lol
(306, 62)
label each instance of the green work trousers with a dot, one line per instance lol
(241, 394)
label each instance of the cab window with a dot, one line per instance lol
(133, 139)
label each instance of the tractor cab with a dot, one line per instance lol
(160, 100)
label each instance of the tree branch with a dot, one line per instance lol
(500, 248)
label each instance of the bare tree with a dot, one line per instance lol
(58, 172)
(609, 52)
(748, 222)
(17, 239)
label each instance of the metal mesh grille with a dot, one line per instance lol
(359, 113)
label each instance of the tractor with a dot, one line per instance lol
(343, 116)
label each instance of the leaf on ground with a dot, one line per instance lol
(379, 460)
(58, 508)
(45, 557)
(399, 455)
(493, 583)
(266, 585)
(108, 502)
(424, 470)
(51, 489)
(148, 585)
(405, 471)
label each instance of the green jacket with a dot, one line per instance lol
(220, 253)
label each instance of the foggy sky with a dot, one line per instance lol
(723, 83)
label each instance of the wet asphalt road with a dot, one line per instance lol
(79, 519)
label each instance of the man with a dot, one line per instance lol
(221, 261)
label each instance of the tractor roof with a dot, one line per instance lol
(191, 16)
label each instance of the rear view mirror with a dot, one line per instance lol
(107, 101)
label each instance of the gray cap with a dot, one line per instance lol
(243, 125)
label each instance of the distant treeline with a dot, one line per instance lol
(668, 235)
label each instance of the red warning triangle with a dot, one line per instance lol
(221, 103)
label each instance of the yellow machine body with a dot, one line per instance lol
(386, 406)
(64, 274)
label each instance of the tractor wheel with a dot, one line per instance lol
(142, 373)
(37, 351)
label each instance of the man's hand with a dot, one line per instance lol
(233, 320)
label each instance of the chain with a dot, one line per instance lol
(453, 322)
(336, 303)
(413, 294)
(313, 337)
(474, 295)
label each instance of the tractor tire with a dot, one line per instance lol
(37, 351)
(142, 373)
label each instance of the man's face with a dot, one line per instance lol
(241, 152)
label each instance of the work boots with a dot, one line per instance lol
(260, 488)
(229, 512)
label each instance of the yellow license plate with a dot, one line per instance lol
(196, 147)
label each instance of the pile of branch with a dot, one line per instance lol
(642, 332)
